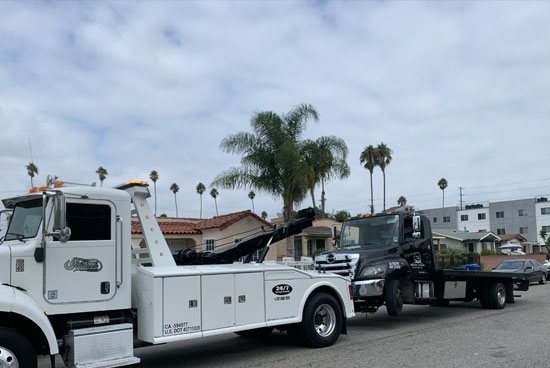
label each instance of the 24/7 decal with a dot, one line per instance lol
(282, 289)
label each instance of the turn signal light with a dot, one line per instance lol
(32, 190)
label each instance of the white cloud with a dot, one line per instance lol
(455, 89)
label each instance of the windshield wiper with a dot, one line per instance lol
(19, 237)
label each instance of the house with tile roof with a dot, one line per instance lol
(204, 234)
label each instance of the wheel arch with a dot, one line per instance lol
(24, 315)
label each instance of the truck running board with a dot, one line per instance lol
(100, 347)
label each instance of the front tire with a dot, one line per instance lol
(542, 279)
(321, 321)
(16, 350)
(394, 298)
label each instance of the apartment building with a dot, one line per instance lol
(526, 217)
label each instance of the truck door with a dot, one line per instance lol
(419, 250)
(84, 268)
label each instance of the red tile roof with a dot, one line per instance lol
(220, 222)
(224, 221)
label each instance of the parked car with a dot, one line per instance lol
(538, 273)
(547, 265)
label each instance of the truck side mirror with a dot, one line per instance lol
(60, 218)
(416, 227)
(333, 235)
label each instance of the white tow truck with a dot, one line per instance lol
(72, 284)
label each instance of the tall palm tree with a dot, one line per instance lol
(271, 159)
(326, 157)
(200, 189)
(368, 160)
(443, 184)
(154, 176)
(102, 173)
(32, 169)
(264, 215)
(402, 201)
(214, 193)
(175, 188)
(252, 195)
(383, 159)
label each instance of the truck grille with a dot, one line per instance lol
(339, 263)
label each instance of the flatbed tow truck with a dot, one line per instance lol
(72, 284)
(391, 260)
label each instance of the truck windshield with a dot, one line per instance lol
(25, 220)
(370, 231)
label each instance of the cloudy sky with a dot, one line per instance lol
(459, 90)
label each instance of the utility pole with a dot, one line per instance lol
(460, 189)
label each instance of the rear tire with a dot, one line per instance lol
(16, 350)
(496, 295)
(321, 322)
(394, 298)
(542, 279)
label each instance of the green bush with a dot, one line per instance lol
(488, 252)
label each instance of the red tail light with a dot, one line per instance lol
(350, 293)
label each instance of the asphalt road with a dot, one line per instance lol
(460, 335)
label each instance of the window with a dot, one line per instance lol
(26, 220)
(89, 221)
(209, 245)
(463, 217)
(523, 230)
(501, 231)
(500, 214)
(482, 230)
(546, 229)
(471, 247)
(522, 213)
(446, 218)
(435, 220)
(481, 216)
(443, 246)
(298, 247)
(545, 211)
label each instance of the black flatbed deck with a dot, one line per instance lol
(467, 274)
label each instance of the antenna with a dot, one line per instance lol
(30, 149)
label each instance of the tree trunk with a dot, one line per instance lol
(201, 207)
(32, 184)
(253, 210)
(155, 184)
(216, 202)
(288, 212)
(371, 195)
(384, 175)
(176, 201)
(443, 198)
(323, 199)
(311, 190)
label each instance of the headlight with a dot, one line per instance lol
(377, 270)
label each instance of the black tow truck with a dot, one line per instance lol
(390, 258)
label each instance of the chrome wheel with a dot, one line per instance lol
(324, 320)
(7, 358)
(501, 295)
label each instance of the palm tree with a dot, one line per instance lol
(154, 176)
(264, 215)
(368, 159)
(102, 173)
(175, 188)
(214, 193)
(200, 189)
(544, 235)
(271, 159)
(383, 159)
(443, 184)
(326, 157)
(252, 195)
(31, 170)
(402, 201)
